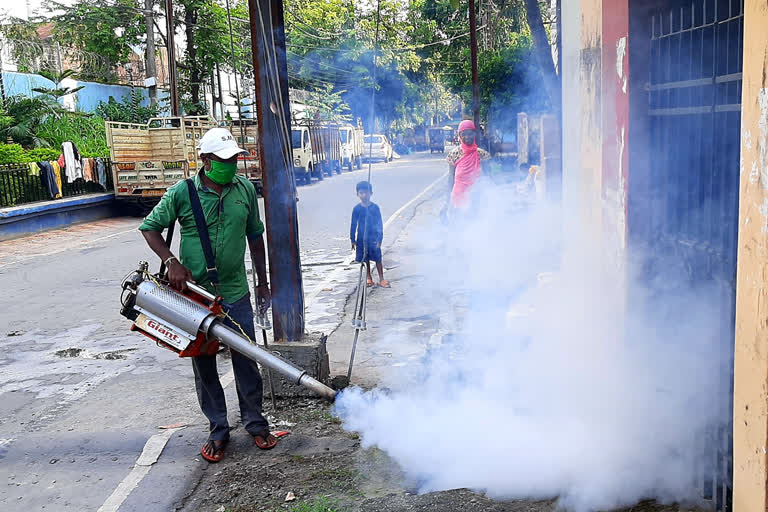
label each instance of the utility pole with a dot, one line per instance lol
(473, 53)
(270, 70)
(171, 48)
(237, 86)
(150, 71)
(2, 82)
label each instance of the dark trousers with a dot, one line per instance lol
(250, 392)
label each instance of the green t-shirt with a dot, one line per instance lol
(231, 218)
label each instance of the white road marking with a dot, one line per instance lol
(149, 456)
(227, 379)
(335, 273)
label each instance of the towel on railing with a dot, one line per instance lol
(34, 170)
(73, 162)
(102, 172)
(57, 174)
(88, 169)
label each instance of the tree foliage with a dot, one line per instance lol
(105, 27)
(129, 110)
(23, 116)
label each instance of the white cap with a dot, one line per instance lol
(220, 142)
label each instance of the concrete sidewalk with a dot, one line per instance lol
(402, 322)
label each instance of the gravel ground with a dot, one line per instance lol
(326, 470)
(320, 467)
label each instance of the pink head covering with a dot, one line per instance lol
(466, 124)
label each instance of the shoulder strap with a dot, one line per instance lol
(202, 232)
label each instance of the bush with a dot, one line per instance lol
(13, 154)
(87, 133)
(43, 154)
(129, 110)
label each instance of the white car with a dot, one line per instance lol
(377, 147)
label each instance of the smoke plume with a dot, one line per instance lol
(564, 375)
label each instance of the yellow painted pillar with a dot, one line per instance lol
(750, 425)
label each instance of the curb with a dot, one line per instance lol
(33, 218)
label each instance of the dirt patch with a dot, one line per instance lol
(326, 470)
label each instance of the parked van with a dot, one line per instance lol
(352, 146)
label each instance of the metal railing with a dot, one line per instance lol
(19, 186)
(694, 109)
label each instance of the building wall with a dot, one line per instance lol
(598, 79)
(85, 100)
(750, 431)
(595, 128)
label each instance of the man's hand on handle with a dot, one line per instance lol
(263, 298)
(178, 275)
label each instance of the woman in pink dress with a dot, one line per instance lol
(465, 166)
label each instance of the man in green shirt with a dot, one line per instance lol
(231, 212)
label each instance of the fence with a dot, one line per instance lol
(18, 186)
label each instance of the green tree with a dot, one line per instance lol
(23, 116)
(129, 110)
(57, 78)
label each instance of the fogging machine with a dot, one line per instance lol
(191, 324)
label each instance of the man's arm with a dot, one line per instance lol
(379, 225)
(353, 227)
(259, 259)
(451, 180)
(254, 230)
(161, 217)
(178, 274)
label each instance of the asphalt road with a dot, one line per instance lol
(80, 395)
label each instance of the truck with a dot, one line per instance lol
(326, 142)
(316, 149)
(149, 158)
(353, 146)
(306, 162)
(246, 134)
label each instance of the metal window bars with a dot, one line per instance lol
(694, 114)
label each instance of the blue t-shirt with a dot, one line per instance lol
(367, 224)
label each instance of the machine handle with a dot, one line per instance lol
(200, 291)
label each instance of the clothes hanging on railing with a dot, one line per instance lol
(102, 173)
(73, 165)
(48, 180)
(34, 169)
(88, 169)
(57, 173)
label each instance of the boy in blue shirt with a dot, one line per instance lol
(367, 224)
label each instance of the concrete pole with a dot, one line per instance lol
(171, 47)
(274, 116)
(750, 406)
(473, 55)
(150, 52)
